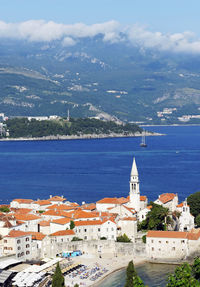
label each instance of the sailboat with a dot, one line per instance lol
(143, 142)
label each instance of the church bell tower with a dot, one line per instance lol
(134, 188)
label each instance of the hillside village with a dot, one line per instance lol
(49, 228)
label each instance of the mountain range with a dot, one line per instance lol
(98, 78)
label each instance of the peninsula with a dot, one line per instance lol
(54, 128)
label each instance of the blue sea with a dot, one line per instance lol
(88, 170)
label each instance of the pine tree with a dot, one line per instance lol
(132, 279)
(58, 279)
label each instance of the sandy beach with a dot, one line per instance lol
(96, 269)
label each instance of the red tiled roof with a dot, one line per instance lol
(63, 233)
(167, 234)
(16, 233)
(143, 198)
(43, 202)
(36, 235)
(149, 207)
(26, 217)
(61, 207)
(129, 218)
(57, 198)
(166, 197)
(21, 210)
(61, 221)
(44, 223)
(21, 200)
(114, 200)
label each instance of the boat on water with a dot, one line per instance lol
(143, 142)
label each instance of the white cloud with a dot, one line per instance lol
(67, 41)
(178, 42)
(112, 31)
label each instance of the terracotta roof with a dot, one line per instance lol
(26, 217)
(61, 221)
(63, 233)
(132, 210)
(61, 207)
(44, 223)
(114, 200)
(90, 206)
(143, 198)
(194, 234)
(43, 202)
(36, 235)
(93, 222)
(16, 233)
(167, 234)
(129, 218)
(88, 222)
(84, 214)
(21, 210)
(166, 197)
(181, 205)
(21, 200)
(56, 213)
(57, 198)
(149, 207)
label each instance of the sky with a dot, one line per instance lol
(168, 16)
(163, 24)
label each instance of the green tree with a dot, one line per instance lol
(76, 239)
(194, 202)
(4, 209)
(58, 279)
(182, 277)
(76, 285)
(72, 224)
(197, 220)
(196, 268)
(132, 279)
(123, 238)
(156, 219)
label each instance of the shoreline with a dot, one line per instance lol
(136, 263)
(112, 264)
(82, 137)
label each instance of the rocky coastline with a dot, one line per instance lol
(83, 136)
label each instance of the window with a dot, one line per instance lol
(167, 242)
(27, 252)
(173, 248)
(152, 248)
(112, 229)
(27, 245)
(18, 248)
(151, 241)
(85, 237)
(5, 241)
(85, 230)
(27, 239)
(159, 241)
(99, 229)
(18, 241)
(182, 241)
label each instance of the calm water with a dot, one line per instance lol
(88, 170)
(153, 275)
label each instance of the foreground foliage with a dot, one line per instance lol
(132, 279)
(22, 127)
(58, 279)
(184, 275)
